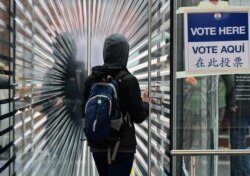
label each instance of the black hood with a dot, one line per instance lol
(116, 50)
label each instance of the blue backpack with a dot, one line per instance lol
(103, 115)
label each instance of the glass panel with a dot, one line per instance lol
(23, 141)
(160, 87)
(196, 130)
(47, 134)
(211, 113)
(54, 36)
(197, 161)
(195, 114)
(50, 73)
(4, 23)
(6, 88)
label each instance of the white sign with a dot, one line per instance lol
(216, 41)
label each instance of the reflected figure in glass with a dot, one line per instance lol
(196, 135)
(61, 97)
(67, 74)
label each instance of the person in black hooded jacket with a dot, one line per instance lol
(115, 53)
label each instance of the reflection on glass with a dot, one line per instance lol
(207, 103)
(47, 138)
(6, 90)
(223, 166)
(239, 122)
(196, 129)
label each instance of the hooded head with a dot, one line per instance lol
(116, 50)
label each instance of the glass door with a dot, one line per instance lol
(52, 37)
(209, 116)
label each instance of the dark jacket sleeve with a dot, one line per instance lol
(138, 110)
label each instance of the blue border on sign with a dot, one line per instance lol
(226, 26)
